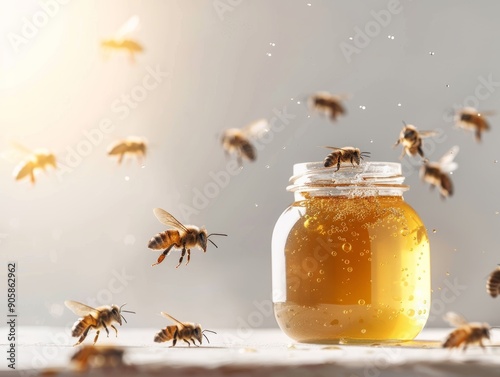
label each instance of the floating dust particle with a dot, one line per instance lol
(361, 301)
(272, 44)
(362, 107)
(371, 141)
(390, 36)
(298, 102)
(267, 166)
(334, 322)
(447, 85)
(256, 205)
(411, 312)
(310, 274)
(143, 166)
(127, 178)
(350, 269)
(447, 273)
(363, 331)
(434, 231)
(496, 212)
(431, 53)
(309, 4)
(495, 161)
(399, 104)
(269, 54)
(350, 38)
(291, 347)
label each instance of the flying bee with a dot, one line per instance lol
(95, 318)
(345, 154)
(465, 333)
(97, 357)
(493, 283)
(39, 159)
(185, 331)
(469, 118)
(411, 139)
(328, 104)
(437, 173)
(131, 145)
(120, 42)
(239, 141)
(184, 237)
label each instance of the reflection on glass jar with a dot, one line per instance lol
(350, 257)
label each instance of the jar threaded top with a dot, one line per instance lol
(368, 178)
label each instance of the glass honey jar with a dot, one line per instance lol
(350, 258)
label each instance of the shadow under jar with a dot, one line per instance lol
(350, 258)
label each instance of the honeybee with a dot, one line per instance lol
(185, 331)
(437, 173)
(97, 357)
(239, 141)
(95, 318)
(328, 104)
(120, 42)
(130, 145)
(39, 159)
(470, 118)
(465, 333)
(345, 154)
(493, 283)
(411, 139)
(184, 237)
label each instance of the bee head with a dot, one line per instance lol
(409, 132)
(197, 333)
(115, 314)
(486, 331)
(203, 238)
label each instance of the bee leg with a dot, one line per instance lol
(420, 151)
(189, 256)
(182, 256)
(116, 331)
(189, 344)
(96, 336)
(478, 135)
(194, 343)
(82, 338)
(120, 159)
(163, 255)
(174, 342)
(105, 328)
(338, 164)
(32, 177)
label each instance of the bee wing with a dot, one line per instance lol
(454, 319)
(166, 315)
(446, 162)
(334, 148)
(257, 128)
(128, 27)
(424, 134)
(166, 218)
(22, 170)
(80, 309)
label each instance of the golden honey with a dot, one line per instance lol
(350, 258)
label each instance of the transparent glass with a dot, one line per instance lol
(350, 257)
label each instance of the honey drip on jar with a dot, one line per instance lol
(357, 269)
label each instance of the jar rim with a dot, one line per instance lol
(309, 176)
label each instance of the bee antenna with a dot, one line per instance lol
(210, 331)
(128, 311)
(404, 123)
(123, 318)
(213, 243)
(217, 234)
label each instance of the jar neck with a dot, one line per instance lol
(368, 179)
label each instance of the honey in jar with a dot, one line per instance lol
(350, 257)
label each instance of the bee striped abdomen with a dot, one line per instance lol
(493, 284)
(168, 333)
(79, 327)
(248, 150)
(164, 239)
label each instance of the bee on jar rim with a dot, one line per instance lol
(97, 357)
(239, 141)
(411, 139)
(465, 333)
(132, 145)
(95, 318)
(120, 41)
(437, 173)
(182, 237)
(493, 283)
(470, 118)
(185, 331)
(39, 159)
(345, 154)
(328, 104)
